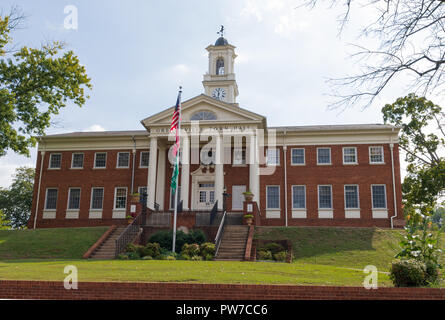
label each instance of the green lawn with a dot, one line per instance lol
(60, 243)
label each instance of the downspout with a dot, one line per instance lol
(134, 160)
(285, 176)
(391, 145)
(42, 153)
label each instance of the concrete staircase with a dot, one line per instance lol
(233, 243)
(108, 248)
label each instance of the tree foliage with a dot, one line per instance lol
(34, 85)
(425, 179)
(4, 224)
(16, 201)
(411, 43)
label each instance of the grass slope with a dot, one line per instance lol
(60, 243)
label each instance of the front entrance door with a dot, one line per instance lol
(238, 197)
(205, 195)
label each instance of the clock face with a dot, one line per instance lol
(219, 93)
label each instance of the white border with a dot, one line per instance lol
(304, 157)
(330, 157)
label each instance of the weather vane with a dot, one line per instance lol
(221, 32)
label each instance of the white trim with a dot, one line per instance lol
(279, 198)
(299, 214)
(355, 155)
(72, 214)
(49, 163)
(292, 194)
(273, 214)
(69, 196)
(95, 214)
(352, 214)
(325, 214)
(126, 199)
(358, 196)
(46, 198)
(330, 157)
(117, 160)
(49, 214)
(383, 155)
(140, 159)
(372, 197)
(318, 197)
(91, 199)
(277, 157)
(94, 164)
(379, 214)
(72, 160)
(304, 157)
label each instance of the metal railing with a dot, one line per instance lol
(220, 233)
(128, 235)
(213, 212)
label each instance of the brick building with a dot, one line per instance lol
(336, 175)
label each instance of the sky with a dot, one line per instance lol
(139, 52)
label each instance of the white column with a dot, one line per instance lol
(254, 177)
(219, 173)
(151, 184)
(160, 179)
(185, 172)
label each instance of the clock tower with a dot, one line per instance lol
(219, 82)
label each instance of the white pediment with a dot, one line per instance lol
(224, 112)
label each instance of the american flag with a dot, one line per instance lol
(175, 122)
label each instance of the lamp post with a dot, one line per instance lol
(225, 196)
(143, 201)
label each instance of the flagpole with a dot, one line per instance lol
(177, 179)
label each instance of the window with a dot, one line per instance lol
(351, 197)
(220, 66)
(100, 159)
(349, 155)
(172, 197)
(55, 161)
(120, 198)
(273, 157)
(145, 157)
(273, 197)
(203, 115)
(376, 154)
(297, 156)
(51, 199)
(123, 159)
(378, 196)
(239, 156)
(77, 161)
(324, 197)
(323, 155)
(97, 198)
(298, 197)
(74, 199)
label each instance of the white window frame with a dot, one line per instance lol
(49, 163)
(305, 198)
(126, 199)
(304, 157)
(243, 159)
(277, 157)
(91, 199)
(46, 199)
(330, 157)
(117, 160)
(279, 199)
(358, 196)
(69, 197)
(383, 155)
(140, 159)
(355, 155)
(372, 197)
(95, 154)
(72, 160)
(318, 197)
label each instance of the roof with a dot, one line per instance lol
(98, 134)
(340, 127)
(221, 41)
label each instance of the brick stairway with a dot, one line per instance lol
(233, 243)
(108, 248)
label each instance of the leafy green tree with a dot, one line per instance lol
(4, 224)
(34, 85)
(425, 179)
(16, 201)
(439, 215)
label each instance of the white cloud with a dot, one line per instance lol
(94, 127)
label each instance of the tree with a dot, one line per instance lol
(425, 179)
(411, 37)
(34, 85)
(16, 201)
(4, 224)
(439, 215)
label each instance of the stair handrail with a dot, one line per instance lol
(220, 233)
(128, 235)
(213, 212)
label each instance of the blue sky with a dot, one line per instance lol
(138, 53)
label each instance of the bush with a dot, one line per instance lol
(165, 238)
(209, 257)
(191, 249)
(280, 256)
(170, 258)
(131, 248)
(196, 236)
(264, 255)
(184, 256)
(122, 256)
(134, 255)
(147, 258)
(408, 273)
(207, 248)
(152, 249)
(273, 247)
(196, 258)
(432, 273)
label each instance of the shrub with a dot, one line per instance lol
(432, 273)
(280, 256)
(191, 249)
(134, 256)
(147, 258)
(408, 273)
(209, 257)
(196, 236)
(196, 258)
(152, 249)
(264, 255)
(165, 238)
(130, 247)
(170, 258)
(184, 256)
(207, 248)
(122, 256)
(273, 247)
